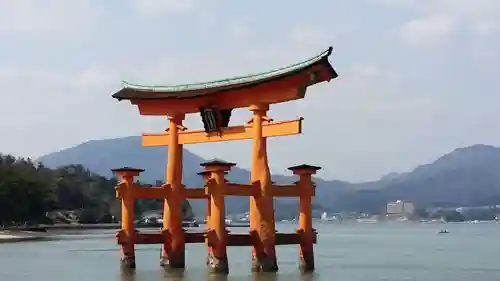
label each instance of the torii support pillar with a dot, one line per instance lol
(306, 231)
(217, 234)
(206, 177)
(125, 191)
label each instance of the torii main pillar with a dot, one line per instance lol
(173, 251)
(262, 207)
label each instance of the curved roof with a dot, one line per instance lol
(182, 91)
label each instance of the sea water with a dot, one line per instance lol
(345, 252)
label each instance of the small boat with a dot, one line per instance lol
(192, 223)
(443, 231)
(366, 220)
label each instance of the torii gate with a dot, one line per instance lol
(214, 101)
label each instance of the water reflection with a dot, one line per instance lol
(184, 276)
(126, 275)
(216, 277)
(174, 275)
(311, 276)
(264, 277)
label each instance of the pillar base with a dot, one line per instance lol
(264, 264)
(217, 265)
(127, 263)
(173, 262)
(306, 262)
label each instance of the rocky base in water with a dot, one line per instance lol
(172, 263)
(217, 265)
(264, 264)
(306, 262)
(127, 263)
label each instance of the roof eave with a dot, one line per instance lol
(134, 93)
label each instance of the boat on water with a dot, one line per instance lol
(324, 217)
(158, 222)
(238, 223)
(366, 220)
(443, 231)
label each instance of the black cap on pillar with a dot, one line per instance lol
(127, 171)
(304, 169)
(217, 165)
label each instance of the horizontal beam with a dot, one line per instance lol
(151, 192)
(233, 189)
(238, 239)
(195, 193)
(274, 129)
(149, 238)
(158, 238)
(243, 239)
(293, 238)
(285, 190)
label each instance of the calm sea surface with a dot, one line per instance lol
(345, 252)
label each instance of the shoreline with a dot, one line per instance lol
(21, 236)
(50, 232)
(110, 226)
(46, 228)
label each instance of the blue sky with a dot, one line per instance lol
(417, 77)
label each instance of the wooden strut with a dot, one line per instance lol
(270, 129)
(231, 189)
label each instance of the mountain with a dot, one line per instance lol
(464, 177)
(391, 176)
(467, 177)
(100, 156)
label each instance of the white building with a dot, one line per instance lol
(400, 207)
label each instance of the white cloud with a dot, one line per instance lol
(33, 17)
(428, 32)
(487, 28)
(397, 3)
(479, 17)
(436, 21)
(57, 109)
(306, 35)
(161, 7)
(383, 101)
(239, 32)
(368, 71)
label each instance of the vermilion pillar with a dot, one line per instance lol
(125, 191)
(261, 207)
(173, 253)
(306, 231)
(217, 235)
(206, 177)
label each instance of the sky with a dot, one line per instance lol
(416, 77)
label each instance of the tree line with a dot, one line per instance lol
(32, 194)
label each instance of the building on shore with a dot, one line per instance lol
(400, 208)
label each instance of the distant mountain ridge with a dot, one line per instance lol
(464, 177)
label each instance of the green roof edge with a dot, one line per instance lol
(229, 81)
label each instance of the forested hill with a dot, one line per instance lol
(32, 193)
